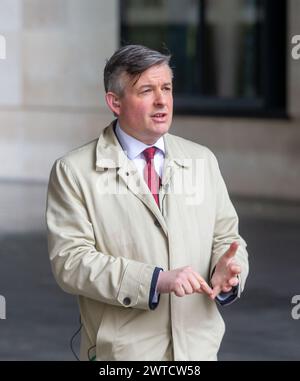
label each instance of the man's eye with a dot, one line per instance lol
(146, 91)
(167, 89)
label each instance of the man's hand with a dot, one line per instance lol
(226, 271)
(182, 281)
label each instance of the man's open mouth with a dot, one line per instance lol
(159, 116)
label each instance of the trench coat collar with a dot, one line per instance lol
(109, 153)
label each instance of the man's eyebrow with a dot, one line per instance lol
(150, 85)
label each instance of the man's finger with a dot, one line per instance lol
(188, 289)
(235, 269)
(227, 288)
(232, 250)
(179, 291)
(195, 283)
(204, 286)
(216, 291)
(233, 281)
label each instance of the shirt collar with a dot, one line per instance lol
(134, 147)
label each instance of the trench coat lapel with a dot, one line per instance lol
(175, 161)
(110, 156)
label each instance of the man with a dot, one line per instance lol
(141, 227)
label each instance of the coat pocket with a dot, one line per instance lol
(106, 334)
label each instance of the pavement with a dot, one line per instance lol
(41, 319)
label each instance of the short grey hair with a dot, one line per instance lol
(132, 60)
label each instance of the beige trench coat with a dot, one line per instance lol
(106, 235)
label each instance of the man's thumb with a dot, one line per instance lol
(232, 250)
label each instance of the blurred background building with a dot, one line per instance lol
(237, 90)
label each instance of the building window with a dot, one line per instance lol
(228, 56)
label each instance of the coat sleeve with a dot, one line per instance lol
(226, 229)
(78, 267)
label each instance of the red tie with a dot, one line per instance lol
(150, 175)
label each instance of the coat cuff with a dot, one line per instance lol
(135, 285)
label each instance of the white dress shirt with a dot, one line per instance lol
(134, 150)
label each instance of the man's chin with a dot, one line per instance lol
(161, 128)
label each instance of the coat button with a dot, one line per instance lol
(126, 301)
(156, 223)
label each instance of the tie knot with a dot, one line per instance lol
(149, 153)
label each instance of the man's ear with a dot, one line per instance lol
(113, 102)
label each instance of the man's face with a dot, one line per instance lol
(146, 107)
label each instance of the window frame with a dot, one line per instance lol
(272, 103)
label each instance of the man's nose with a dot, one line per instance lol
(160, 98)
